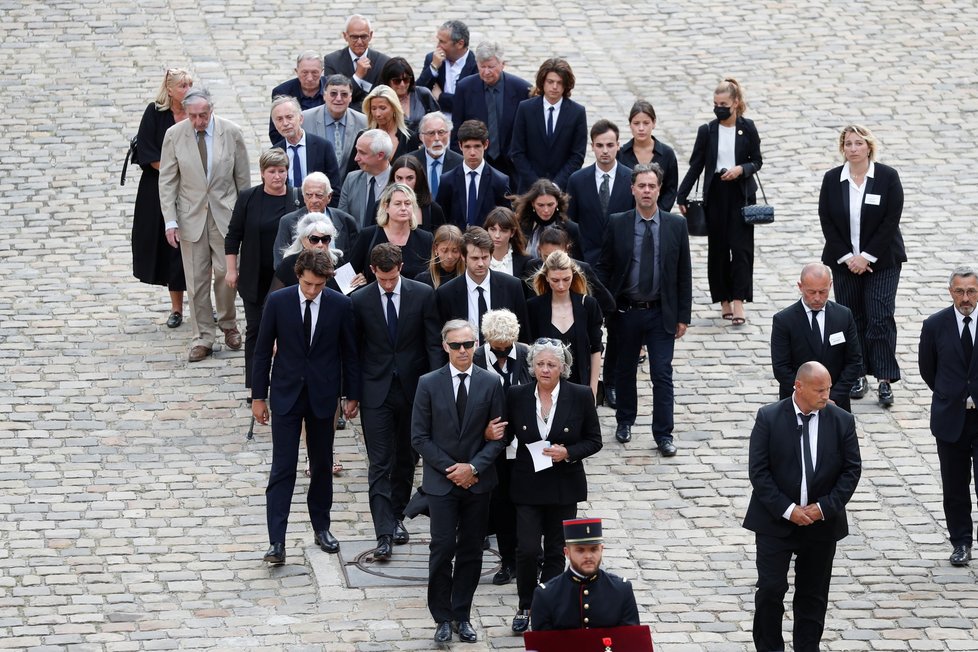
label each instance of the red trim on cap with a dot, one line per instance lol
(582, 521)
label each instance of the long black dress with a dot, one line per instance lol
(154, 261)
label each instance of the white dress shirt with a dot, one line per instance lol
(473, 295)
(455, 379)
(726, 147)
(303, 167)
(313, 309)
(478, 178)
(509, 366)
(362, 83)
(453, 69)
(599, 178)
(813, 446)
(546, 113)
(820, 318)
(396, 298)
(856, 194)
(543, 425)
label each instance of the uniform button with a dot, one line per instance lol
(586, 621)
(585, 592)
(587, 606)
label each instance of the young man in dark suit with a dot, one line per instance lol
(451, 429)
(307, 153)
(311, 332)
(949, 366)
(468, 192)
(398, 340)
(815, 328)
(804, 467)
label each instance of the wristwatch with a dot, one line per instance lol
(475, 471)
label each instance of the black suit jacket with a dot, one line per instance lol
(675, 269)
(293, 88)
(535, 156)
(442, 440)
(505, 292)
(747, 154)
(320, 157)
(665, 156)
(951, 378)
(446, 100)
(575, 425)
(470, 104)
(585, 207)
(493, 191)
(775, 471)
(792, 345)
(340, 62)
(879, 223)
(587, 319)
(416, 351)
(318, 367)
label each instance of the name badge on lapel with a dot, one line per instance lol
(872, 200)
(837, 338)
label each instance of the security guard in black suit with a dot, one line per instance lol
(584, 596)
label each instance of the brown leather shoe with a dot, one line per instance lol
(232, 338)
(198, 353)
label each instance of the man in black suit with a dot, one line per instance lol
(450, 428)
(467, 193)
(447, 64)
(307, 153)
(949, 366)
(645, 264)
(310, 330)
(804, 467)
(550, 130)
(435, 155)
(492, 96)
(357, 61)
(815, 328)
(398, 341)
(307, 87)
(470, 295)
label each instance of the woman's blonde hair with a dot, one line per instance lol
(385, 201)
(559, 261)
(385, 93)
(171, 78)
(863, 133)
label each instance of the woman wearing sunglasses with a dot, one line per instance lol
(415, 100)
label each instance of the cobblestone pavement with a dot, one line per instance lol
(131, 506)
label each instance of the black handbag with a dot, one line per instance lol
(696, 214)
(758, 213)
(131, 154)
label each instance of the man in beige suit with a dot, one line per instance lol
(203, 167)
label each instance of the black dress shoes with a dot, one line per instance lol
(885, 394)
(521, 621)
(174, 320)
(443, 633)
(859, 389)
(667, 448)
(503, 576)
(401, 535)
(276, 554)
(961, 556)
(327, 542)
(465, 632)
(385, 548)
(624, 433)
(611, 397)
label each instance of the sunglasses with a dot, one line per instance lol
(455, 346)
(316, 239)
(549, 340)
(401, 80)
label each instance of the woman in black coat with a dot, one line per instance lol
(728, 153)
(567, 426)
(860, 206)
(543, 205)
(645, 148)
(154, 261)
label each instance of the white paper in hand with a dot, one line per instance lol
(344, 276)
(540, 461)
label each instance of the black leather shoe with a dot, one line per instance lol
(486, 544)
(624, 433)
(885, 394)
(961, 556)
(174, 320)
(521, 621)
(667, 448)
(385, 548)
(276, 554)
(443, 633)
(401, 535)
(465, 632)
(611, 397)
(859, 389)
(327, 542)
(341, 423)
(503, 576)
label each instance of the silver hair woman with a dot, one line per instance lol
(556, 348)
(315, 225)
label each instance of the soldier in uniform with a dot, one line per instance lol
(583, 596)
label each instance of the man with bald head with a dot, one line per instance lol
(358, 61)
(804, 465)
(815, 328)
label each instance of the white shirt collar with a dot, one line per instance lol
(456, 371)
(472, 285)
(846, 176)
(798, 410)
(547, 105)
(353, 57)
(397, 288)
(478, 170)
(302, 297)
(553, 394)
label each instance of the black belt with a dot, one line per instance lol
(638, 305)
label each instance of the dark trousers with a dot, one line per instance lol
(872, 299)
(958, 459)
(610, 361)
(635, 328)
(458, 527)
(387, 434)
(286, 429)
(813, 573)
(502, 512)
(730, 243)
(534, 522)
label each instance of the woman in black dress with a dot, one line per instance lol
(541, 206)
(645, 148)
(396, 223)
(154, 261)
(446, 260)
(410, 171)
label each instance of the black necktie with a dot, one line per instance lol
(296, 166)
(462, 397)
(816, 331)
(646, 271)
(370, 210)
(966, 342)
(483, 309)
(806, 450)
(497, 365)
(604, 193)
(391, 318)
(493, 122)
(550, 123)
(307, 322)
(471, 212)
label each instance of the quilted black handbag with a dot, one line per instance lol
(758, 213)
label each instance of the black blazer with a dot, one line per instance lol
(879, 224)
(675, 270)
(506, 292)
(585, 207)
(470, 104)
(598, 290)
(747, 154)
(320, 157)
(520, 371)
(339, 61)
(493, 191)
(445, 100)
(792, 345)
(415, 252)
(575, 425)
(417, 350)
(587, 318)
(535, 156)
(318, 367)
(951, 378)
(441, 440)
(775, 471)
(665, 156)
